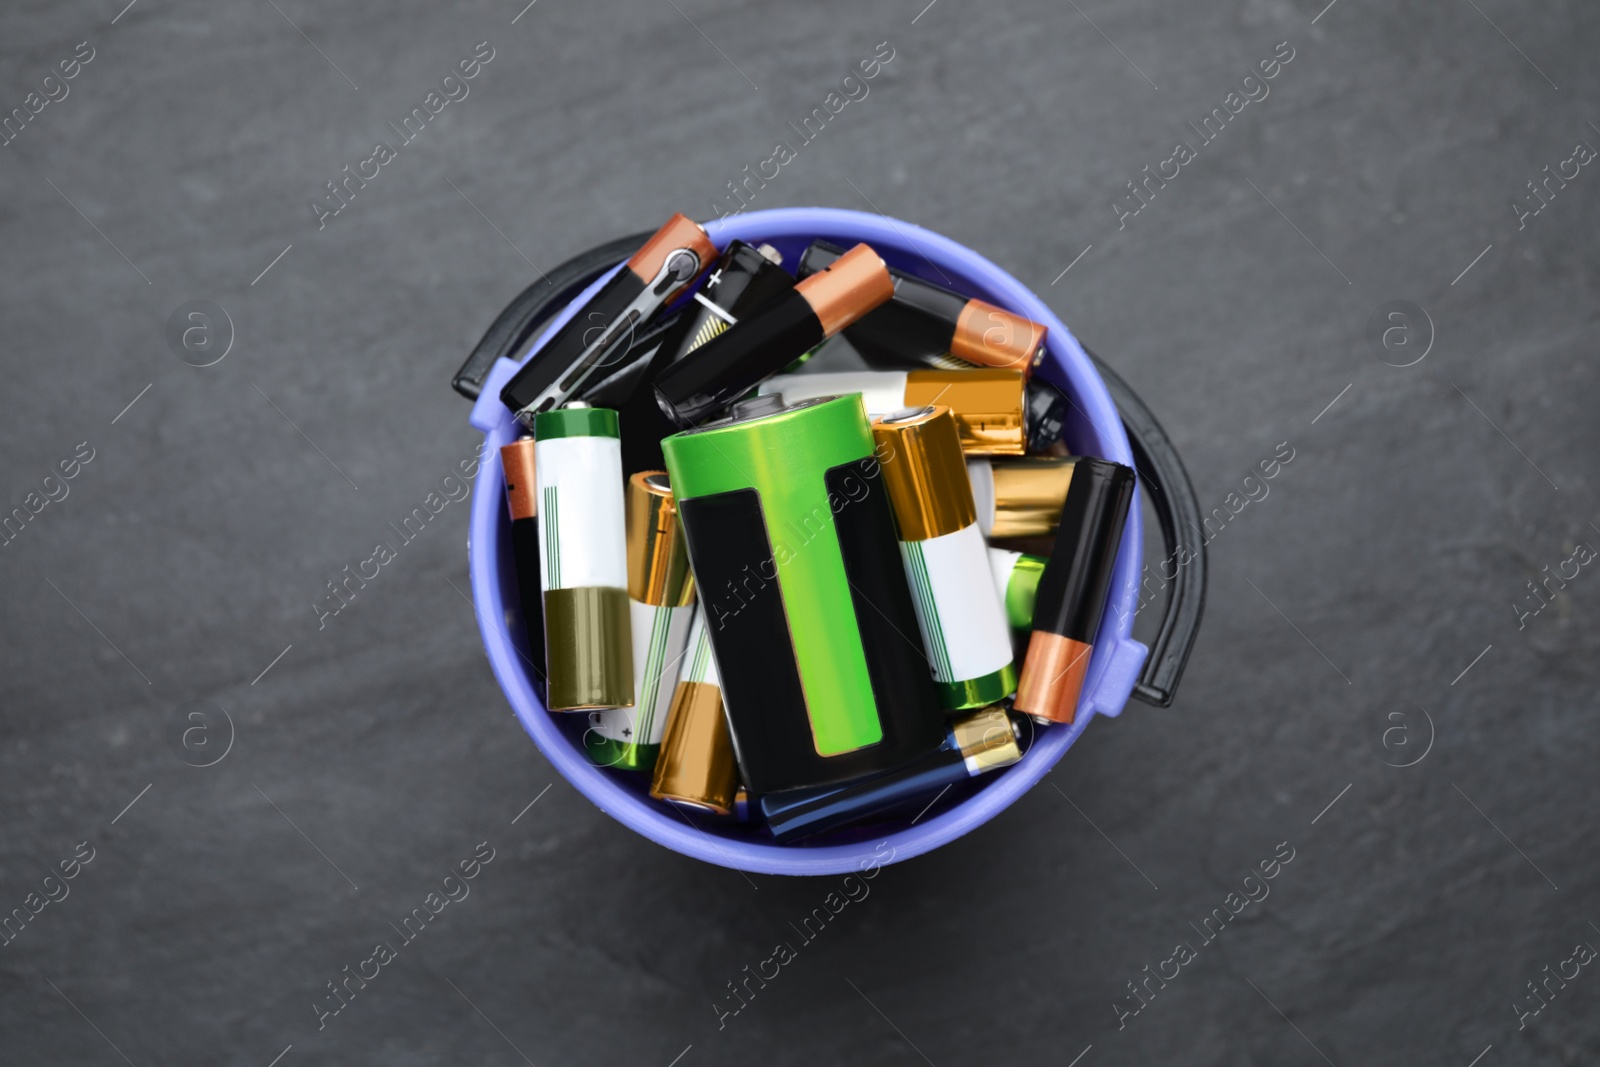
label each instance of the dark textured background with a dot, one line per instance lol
(189, 550)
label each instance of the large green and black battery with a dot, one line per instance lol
(584, 562)
(793, 546)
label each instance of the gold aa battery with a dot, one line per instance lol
(988, 404)
(1020, 497)
(658, 561)
(696, 765)
(962, 621)
(660, 606)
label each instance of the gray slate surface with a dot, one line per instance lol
(1385, 561)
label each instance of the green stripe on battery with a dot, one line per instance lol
(576, 422)
(1022, 590)
(552, 538)
(660, 631)
(978, 692)
(702, 655)
(928, 610)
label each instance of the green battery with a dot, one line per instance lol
(793, 545)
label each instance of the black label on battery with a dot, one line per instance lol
(897, 664)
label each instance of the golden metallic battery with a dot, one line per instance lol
(696, 764)
(1020, 497)
(988, 403)
(660, 607)
(962, 621)
(658, 562)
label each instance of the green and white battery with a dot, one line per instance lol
(962, 620)
(583, 552)
(661, 607)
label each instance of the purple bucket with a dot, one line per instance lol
(1093, 428)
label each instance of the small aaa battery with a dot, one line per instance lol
(594, 340)
(777, 333)
(660, 607)
(522, 500)
(989, 404)
(1016, 580)
(745, 277)
(962, 621)
(584, 560)
(696, 765)
(1072, 590)
(929, 325)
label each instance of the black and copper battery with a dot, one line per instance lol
(522, 500)
(979, 742)
(777, 333)
(745, 277)
(660, 608)
(696, 766)
(1072, 590)
(925, 324)
(989, 404)
(602, 332)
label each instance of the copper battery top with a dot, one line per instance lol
(658, 558)
(1028, 494)
(986, 739)
(987, 402)
(522, 492)
(994, 337)
(1053, 674)
(847, 289)
(680, 231)
(920, 452)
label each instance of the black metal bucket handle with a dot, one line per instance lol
(1155, 458)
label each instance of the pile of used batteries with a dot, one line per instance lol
(775, 593)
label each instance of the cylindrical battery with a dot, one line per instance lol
(928, 325)
(596, 338)
(1016, 580)
(793, 545)
(962, 621)
(660, 606)
(696, 766)
(1020, 497)
(1072, 590)
(584, 561)
(979, 742)
(522, 500)
(745, 277)
(988, 404)
(773, 336)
